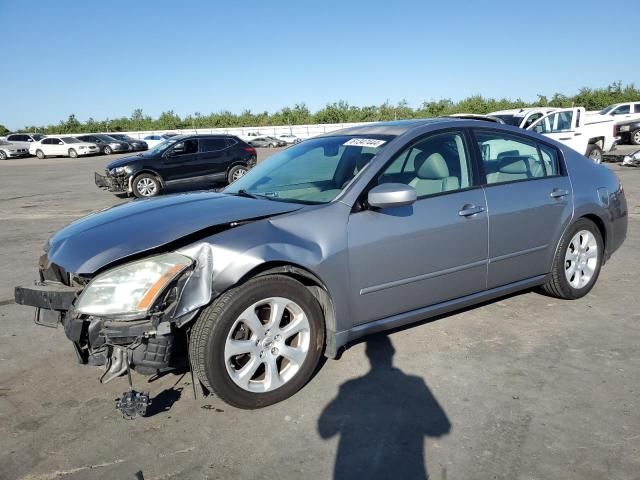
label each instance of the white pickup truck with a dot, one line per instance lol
(587, 134)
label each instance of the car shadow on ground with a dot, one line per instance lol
(382, 419)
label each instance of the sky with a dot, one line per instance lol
(105, 59)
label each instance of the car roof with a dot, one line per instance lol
(523, 110)
(395, 127)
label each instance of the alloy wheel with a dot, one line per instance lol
(146, 187)
(581, 259)
(267, 345)
(240, 172)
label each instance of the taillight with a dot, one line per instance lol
(251, 150)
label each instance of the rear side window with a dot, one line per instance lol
(213, 144)
(637, 108)
(508, 158)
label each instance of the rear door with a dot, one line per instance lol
(565, 126)
(529, 199)
(213, 154)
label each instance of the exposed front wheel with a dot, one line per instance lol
(236, 172)
(577, 263)
(259, 343)
(635, 137)
(594, 152)
(40, 154)
(146, 186)
(73, 153)
(107, 150)
(3, 155)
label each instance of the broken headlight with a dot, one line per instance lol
(133, 288)
(119, 170)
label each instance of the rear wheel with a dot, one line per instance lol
(259, 343)
(236, 172)
(594, 152)
(635, 137)
(73, 153)
(107, 150)
(145, 186)
(40, 154)
(577, 263)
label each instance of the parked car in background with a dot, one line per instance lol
(185, 157)
(629, 132)
(24, 140)
(289, 138)
(62, 147)
(358, 231)
(619, 112)
(266, 142)
(105, 143)
(521, 117)
(136, 145)
(10, 150)
(590, 136)
(154, 139)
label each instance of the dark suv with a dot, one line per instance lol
(184, 157)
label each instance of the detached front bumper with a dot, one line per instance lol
(148, 346)
(111, 183)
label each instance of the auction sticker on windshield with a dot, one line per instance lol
(364, 142)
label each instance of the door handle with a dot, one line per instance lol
(470, 210)
(559, 193)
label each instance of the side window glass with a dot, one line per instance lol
(213, 144)
(508, 158)
(622, 110)
(637, 108)
(556, 122)
(433, 165)
(549, 160)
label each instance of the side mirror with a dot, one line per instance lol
(60, 143)
(391, 195)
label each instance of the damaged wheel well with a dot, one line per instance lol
(316, 286)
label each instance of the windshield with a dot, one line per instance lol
(37, 137)
(70, 140)
(606, 110)
(509, 119)
(162, 146)
(315, 171)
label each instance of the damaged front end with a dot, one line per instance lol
(116, 183)
(122, 318)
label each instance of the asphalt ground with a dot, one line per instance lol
(526, 387)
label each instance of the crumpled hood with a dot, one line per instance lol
(101, 238)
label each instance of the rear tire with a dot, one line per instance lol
(635, 137)
(236, 172)
(40, 154)
(221, 329)
(145, 186)
(594, 152)
(573, 273)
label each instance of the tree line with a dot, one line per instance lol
(339, 112)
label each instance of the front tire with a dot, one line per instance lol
(577, 263)
(73, 153)
(3, 155)
(107, 150)
(236, 172)
(40, 154)
(635, 137)
(145, 186)
(259, 343)
(594, 152)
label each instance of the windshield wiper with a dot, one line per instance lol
(243, 193)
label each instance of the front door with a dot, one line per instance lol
(529, 198)
(405, 258)
(181, 161)
(564, 125)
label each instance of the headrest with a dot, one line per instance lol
(515, 165)
(431, 167)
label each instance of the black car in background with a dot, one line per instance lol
(105, 143)
(223, 158)
(629, 131)
(136, 145)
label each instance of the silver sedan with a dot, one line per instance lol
(358, 231)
